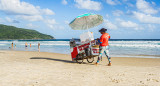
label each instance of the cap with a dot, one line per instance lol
(103, 30)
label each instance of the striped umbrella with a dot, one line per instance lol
(86, 21)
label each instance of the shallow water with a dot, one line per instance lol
(128, 48)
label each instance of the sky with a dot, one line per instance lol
(123, 19)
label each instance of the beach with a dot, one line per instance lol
(31, 68)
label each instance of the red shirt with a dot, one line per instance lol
(104, 39)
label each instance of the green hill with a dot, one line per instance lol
(11, 32)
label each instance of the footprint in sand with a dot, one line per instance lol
(141, 82)
(115, 80)
(155, 80)
(120, 74)
(148, 79)
(151, 74)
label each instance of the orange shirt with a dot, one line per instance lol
(104, 39)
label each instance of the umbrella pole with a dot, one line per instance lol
(90, 40)
(89, 37)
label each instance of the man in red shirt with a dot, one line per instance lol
(104, 46)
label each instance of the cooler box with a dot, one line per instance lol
(95, 50)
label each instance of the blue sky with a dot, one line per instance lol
(124, 19)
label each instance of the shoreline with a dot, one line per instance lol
(127, 56)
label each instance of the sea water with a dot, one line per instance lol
(145, 48)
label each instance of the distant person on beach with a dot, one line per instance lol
(12, 44)
(15, 45)
(26, 45)
(104, 45)
(30, 44)
(38, 46)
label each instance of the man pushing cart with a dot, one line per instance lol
(104, 46)
(87, 48)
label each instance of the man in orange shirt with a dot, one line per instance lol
(104, 45)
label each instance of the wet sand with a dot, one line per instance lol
(25, 68)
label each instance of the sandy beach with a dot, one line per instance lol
(26, 68)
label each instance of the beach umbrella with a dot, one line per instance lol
(86, 21)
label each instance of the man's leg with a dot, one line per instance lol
(99, 57)
(101, 50)
(106, 51)
(107, 55)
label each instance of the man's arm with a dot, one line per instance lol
(99, 41)
(109, 37)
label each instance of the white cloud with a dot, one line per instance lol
(30, 25)
(151, 27)
(124, 0)
(111, 2)
(153, 3)
(64, 2)
(17, 7)
(130, 5)
(145, 7)
(144, 18)
(1, 20)
(109, 25)
(117, 13)
(47, 12)
(11, 20)
(128, 24)
(88, 4)
(8, 19)
(24, 10)
(107, 16)
(30, 18)
(51, 23)
(59, 27)
(66, 22)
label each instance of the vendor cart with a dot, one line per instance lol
(81, 51)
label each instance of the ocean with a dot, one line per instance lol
(144, 48)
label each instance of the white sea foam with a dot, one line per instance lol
(134, 41)
(49, 43)
(138, 44)
(5, 42)
(2, 44)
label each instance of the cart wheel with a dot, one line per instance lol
(90, 59)
(79, 58)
